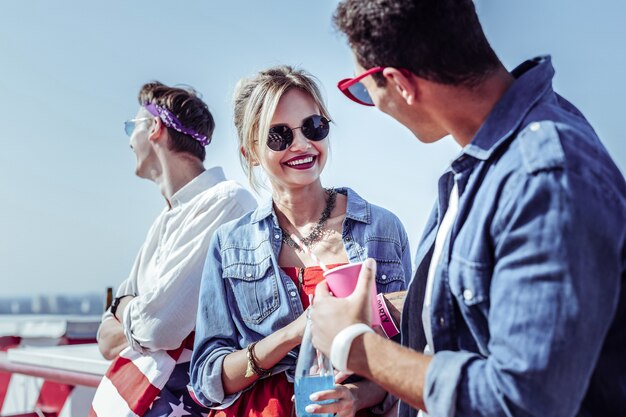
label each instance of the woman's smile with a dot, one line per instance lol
(301, 162)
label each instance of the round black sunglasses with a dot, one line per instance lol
(314, 127)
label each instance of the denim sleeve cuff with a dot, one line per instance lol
(443, 377)
(211, 389)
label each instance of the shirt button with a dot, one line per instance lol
(276, 236)
(468, 294)
(248, 274)
(442, 321)
(293, 293)
(384, 276)
(535, 126)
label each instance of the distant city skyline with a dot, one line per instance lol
(76, 304)
(74, 215)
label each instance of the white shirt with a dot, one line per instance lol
(167, 272)
(440, 239)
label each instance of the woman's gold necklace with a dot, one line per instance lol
(318, 231)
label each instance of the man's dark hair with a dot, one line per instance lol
(438, 40)
(188, 108)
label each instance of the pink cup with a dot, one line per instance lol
(342, 280)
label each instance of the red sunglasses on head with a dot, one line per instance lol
(354, 89)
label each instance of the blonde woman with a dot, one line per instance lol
(256, 283)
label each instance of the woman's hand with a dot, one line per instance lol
(344, 404)
(350, 397)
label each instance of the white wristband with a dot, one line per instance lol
(340, 348)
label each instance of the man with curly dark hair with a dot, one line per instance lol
(518, 303)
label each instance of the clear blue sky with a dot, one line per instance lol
(73, 215)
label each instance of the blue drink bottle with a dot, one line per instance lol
(314, 373)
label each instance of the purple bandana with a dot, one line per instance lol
(172, 121)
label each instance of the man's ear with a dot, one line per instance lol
(403, 82)
(156, 129)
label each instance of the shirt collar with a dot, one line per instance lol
(357, 208)
(533, 81)
(263, 211)
(202, 182)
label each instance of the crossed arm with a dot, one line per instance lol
(111, 337)
(162, 318)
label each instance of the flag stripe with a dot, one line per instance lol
(156, 366)
(134, 380)
(133, 385)
(109, 403)
(185, 356)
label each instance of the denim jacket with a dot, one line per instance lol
(245, 296)
(528, 308)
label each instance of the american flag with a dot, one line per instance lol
(147, 385)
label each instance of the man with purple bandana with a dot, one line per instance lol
(155, 307)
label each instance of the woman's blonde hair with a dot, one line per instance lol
(255, 102)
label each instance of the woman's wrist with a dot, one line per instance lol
(296, 329)
(253, 367)
(290, 335)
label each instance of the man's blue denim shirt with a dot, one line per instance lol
(245, 295)
(529, 306)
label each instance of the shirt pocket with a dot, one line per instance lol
(255, 289)
(470, 282)
(390, 276)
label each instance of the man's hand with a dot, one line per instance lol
(330, 315)
(395, 368)
(111, 338)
